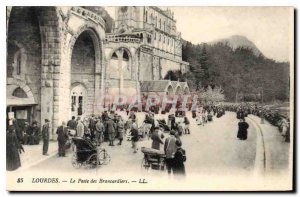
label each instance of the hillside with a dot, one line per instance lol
(240, 71)
(237, 41)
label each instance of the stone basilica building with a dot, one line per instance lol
(60, 59)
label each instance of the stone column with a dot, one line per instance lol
(120, 68)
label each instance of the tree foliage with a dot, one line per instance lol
(210, 94)
(238, 72)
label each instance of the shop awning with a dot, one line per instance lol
(15, 101)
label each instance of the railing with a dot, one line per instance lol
(114, 38)
(88, 15)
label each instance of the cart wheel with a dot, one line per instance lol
(104, 158)
(145, 164)
(75, 164)
(92, 161)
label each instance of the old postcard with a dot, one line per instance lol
(149, 98)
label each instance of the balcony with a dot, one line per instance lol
(87, 14)
(126, 39)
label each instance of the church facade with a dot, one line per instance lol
(60, 60)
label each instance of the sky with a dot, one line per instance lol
(269, 28)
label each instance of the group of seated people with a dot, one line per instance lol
(27, 134)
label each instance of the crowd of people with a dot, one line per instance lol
(111, 127)
(273, 116)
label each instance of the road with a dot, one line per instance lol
(210, 149)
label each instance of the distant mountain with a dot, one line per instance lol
(237, 41)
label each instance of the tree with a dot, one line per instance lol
(210, 94)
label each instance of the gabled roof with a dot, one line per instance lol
(155, 86)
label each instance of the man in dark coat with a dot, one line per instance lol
(240, 114)
(99, 131)
(92, 126)
(61, 139)
(173, 122)
(29, 135)
(242, 132)
(45, 136)
(13, 147)
(72, 123)
(35, 132)
(111, 130)
(156, 139)
(120, 129)
(135, 136)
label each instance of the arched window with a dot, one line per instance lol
(151, 18)
(20, 93)
(159, 23)
(156, 22)
(114, 56)
(164, 25)
(125, 56)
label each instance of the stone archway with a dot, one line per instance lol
(186, 90)
(78, 99)
(120, 65)
(178, 90)
(170, 90)
(46, 48)
(90, 76)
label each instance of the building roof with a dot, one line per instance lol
(174, 84)
(154, 86)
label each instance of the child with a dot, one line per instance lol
(179, 159)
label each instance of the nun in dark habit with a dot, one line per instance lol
(242, 132)
(13, 148)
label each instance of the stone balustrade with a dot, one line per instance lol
(88, 15)
(128, 39)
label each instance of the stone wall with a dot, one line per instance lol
(167, 65)
(156, 68)
(24, 38)
(145, 66)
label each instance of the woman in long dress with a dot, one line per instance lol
(12, 150)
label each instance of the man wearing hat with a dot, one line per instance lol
(170, 149)
(110, 127)
(79, 128)
(45, 135)
(99, 131)
(62, 137)
(120, 129)
(156, 138)
(36, 132)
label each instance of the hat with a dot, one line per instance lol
(47, 120)
(178, 143)
(172, 132)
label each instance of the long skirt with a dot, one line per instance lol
(12, 159)
(242, 134)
